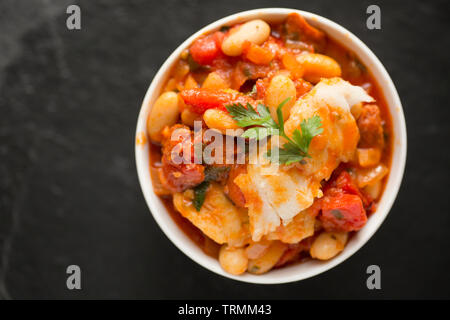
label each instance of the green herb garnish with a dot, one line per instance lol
(337, 214)
(200, 195)
(295, 149)
(212, 173)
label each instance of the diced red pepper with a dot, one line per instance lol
(344, 183)
(343, 212)
(204, 50)
(204, 99)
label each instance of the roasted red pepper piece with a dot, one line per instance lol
(343, 212)
(204, 99)
(344, 183)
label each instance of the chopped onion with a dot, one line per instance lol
(368, 157)
(257, 249)
(370, 176)
(373, 190)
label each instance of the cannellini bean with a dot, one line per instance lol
(215, 82)
(368, 157)
(269, 259)
(219, 120)
(318, 66)
(181, 70)
(366, 177)
(188, 117)
(328, 244)
(233, 260)
(373, 190)
(255, 31)
(165, 112)
(280, 88)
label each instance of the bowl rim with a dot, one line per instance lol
(313, 267)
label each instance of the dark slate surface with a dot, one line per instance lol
(68, 187)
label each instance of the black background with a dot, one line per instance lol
(69, 193)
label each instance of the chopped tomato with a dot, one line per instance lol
(204, 99)
(343, 212)
(343, 205)
(342, 182)
(204, 50)
(218, 37)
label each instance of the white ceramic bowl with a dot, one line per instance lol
(310, 268)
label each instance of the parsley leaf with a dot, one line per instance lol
(200, 195)
(310, 128)
(212, 173)
(286, 156)
(295, 149)
(337, 214)
(248, 116)
(259, 133)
